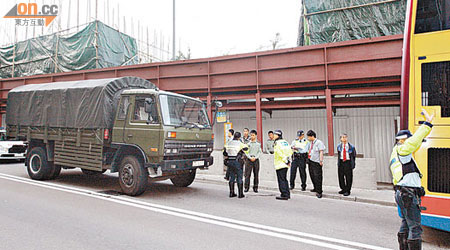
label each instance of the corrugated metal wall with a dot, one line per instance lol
(371, 130)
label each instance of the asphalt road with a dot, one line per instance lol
(77, 211)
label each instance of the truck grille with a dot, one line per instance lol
(189, 147)
(439, 170)
(17, 149)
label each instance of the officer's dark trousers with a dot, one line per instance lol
(345, 175)
(235, 168)
(249, 167)
(410, 214)
(300, 163)
(283, 184)
(316, 174)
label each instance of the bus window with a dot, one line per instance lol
(432, 15)
(436, 86)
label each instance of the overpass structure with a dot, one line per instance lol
(358, 73)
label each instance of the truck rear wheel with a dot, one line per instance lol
(54, 172)
(38, 167)
(184, 180)
(133, 177)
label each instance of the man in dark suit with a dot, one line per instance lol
(346, 164)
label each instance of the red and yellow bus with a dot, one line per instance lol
(426, 84)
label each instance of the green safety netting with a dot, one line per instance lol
(325, 21)
(56, 53)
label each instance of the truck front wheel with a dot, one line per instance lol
(133, 177)
(38, 167)
(184, 180)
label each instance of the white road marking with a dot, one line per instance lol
(287, 234)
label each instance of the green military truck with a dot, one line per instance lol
(126, 125)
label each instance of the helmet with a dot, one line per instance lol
(403, 134)
(278, 132)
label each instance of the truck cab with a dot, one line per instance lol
(172, 131)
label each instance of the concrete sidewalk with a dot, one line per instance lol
(381, 197)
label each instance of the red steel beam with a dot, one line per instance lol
(341, 65)
(384, 89)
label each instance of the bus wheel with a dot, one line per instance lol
(92, 172)
(133, 177)
(184, 180)
(38, 167)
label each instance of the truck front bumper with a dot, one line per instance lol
(168, 166)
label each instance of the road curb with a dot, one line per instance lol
(324, 195)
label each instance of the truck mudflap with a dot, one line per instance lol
(168, 166)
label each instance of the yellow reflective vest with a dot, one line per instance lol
(410, 146)
(282, 152)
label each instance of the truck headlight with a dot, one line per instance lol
(174, 151)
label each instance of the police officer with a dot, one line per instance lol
(229, 138)
(282, 154)
(299, 146)
(233, 152)
(407, 184)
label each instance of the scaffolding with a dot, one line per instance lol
(324, 21)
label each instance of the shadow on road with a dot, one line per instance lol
(436, 237)
(109, 184)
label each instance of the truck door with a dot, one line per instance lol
(144, 126)
(120, 124)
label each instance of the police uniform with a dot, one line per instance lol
(282, 154)
(233, 151)
(407, 185)
(299, 158)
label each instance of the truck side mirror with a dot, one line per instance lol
(218, 104)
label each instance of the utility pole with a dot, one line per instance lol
(173, 34)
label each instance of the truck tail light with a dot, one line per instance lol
(106, 134)
(172, 134)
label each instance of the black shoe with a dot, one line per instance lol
(341, 192)
(313, 190)
(319, 195)
(415, 244)
(304, 188)
(292, 187)
(255, 189)
(282, 198)
(402, 241)
(246, 189)
(346, 193)
(240, 191)
(232, 193)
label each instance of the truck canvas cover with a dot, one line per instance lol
(85, 104)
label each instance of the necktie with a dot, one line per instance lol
(310, 148)
(345, 154)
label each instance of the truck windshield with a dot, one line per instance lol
(183, 112)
